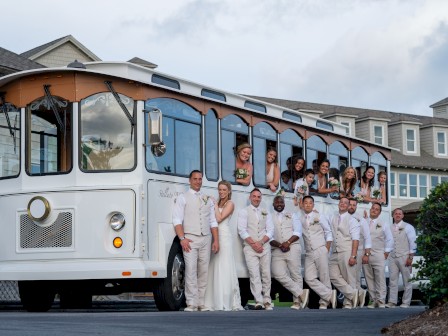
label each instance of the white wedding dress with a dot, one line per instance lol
(223, 291)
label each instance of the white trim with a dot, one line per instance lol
(414, 140)
(382, 134)
(444, 143)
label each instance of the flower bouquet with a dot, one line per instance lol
(281, 192)
(332, 182)
(376, 193)
(241, 173)
(359, 197)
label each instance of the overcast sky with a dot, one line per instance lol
(381, 54)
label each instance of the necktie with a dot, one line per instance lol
(307, 221)
(371, 224)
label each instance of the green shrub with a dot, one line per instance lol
(433, 244)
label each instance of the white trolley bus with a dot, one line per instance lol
(92, 157)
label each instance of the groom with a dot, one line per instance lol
(194, 221)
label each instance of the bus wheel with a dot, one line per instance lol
(169, 293)
(36, 296)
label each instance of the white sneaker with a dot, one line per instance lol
(391, 305)
(322, 306)
(268, 306)
(304, 298)
(333, 298)
(381, 305)
(296, 306)
(191, 309)
(372, 305)
(203, 308)
(404, 305)
(362, 297)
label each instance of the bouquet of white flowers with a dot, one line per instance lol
(359, 197)
(241, 173)
(376, 193)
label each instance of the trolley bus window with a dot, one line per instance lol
(316, 151)
(338, 162)
(49, 141)
(291, 146)
(107, 140)
(265, 137)
(211, 146)
(10, 141)
(234, 131)
(181, 134)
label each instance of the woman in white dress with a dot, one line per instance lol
(223, 292)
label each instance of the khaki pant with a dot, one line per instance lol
(397, 266)
(375, 277)
(342, 275)
(317, 274)
(286, 269)
(259, 267)
(196, 269)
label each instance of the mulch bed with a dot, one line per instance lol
(432, 322)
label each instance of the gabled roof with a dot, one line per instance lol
(440, 103)
(47, 47)
(11, 62)
(142, 62)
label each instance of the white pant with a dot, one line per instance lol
(259, 267)
(375, 278)
(397, 266)
(317, 274)
(286, 269)
(196, 269)
(342, 275)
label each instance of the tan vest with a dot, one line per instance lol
(341, 233)
(313, 235)
(401, 242)
(283, 229)
(256, 228)
(196, 215)
(377, 236)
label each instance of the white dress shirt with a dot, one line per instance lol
(242, 222)
(179, 208)
(410, 233)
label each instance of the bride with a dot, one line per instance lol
(223, 292)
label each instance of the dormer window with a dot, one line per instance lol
(378, 134)
(410, 141)
(441, 143)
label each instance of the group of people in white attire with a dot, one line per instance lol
(336, 248)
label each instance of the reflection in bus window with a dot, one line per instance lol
(181, 133)
(265, 137)
(211, 146)
(316, 151)
(234, 131)
(10, 141)
(49, 146)
(106, 137)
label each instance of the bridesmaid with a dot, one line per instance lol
(223, 291)
(297, 169)
(366, 183)
(321, 179)
(244, 169)
(348, 182)
(272, 170)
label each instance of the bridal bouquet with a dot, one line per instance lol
(241, 173)
(376, 193)
(281, 192)
(359, 197)
(333, 182)
(301, 190)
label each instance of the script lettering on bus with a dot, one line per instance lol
(167, 193)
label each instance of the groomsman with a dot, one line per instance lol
(195, 223)
(256, 229)
(373, 263)
(286, 253)
(365, 243)
(346, 231)
(400, 259)
(317, 238)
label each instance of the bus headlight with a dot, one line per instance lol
(117, 221)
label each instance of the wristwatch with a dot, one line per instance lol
(354, 257)
(181, 238)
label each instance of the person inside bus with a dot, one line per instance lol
(302, 187)
(297, 169)
(244, 169)
(321, 182)
(364, 187)
(272, 170)
(348, 182)
(379, 192)
(286, 180)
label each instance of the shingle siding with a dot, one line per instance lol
(63, 55)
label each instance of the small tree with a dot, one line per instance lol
(433, 244)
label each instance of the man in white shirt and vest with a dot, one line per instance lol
(346, 231)
(256, 229)
(364, 246)
(400, 259)
(317, 238)
(373, 262)
(195, 223)
(287, 252)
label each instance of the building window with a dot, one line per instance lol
(434, 181)
(402, 179)
(378, 134)
(392, 185)
(443, 178)
(345, 123)
(441, 143)
(412, 185)
(423, 185)
(410, 141)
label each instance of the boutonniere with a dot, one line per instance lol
(400, 229)
(264, 213)
(205, 199)
(316, 220)
(378, 226)
(288, 215)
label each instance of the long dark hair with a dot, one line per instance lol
(364, 177)
(296, 174)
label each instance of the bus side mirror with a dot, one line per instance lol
(158, 148)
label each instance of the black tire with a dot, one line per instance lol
(169, 293)
(36, 296)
